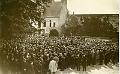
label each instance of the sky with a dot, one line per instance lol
(93, 6)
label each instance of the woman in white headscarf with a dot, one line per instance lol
(53, 65)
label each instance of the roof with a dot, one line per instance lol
(53, 10)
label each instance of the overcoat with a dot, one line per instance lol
(53, 66)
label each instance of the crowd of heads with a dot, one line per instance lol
(33, 53)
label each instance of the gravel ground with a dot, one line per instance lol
(98, 69)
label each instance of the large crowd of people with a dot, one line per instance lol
(32, 54)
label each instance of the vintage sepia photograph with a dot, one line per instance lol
(59, 36)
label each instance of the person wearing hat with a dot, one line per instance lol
(53, 65)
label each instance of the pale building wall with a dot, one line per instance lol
(48, 28)
(59, 20)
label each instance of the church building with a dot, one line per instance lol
(54, 16)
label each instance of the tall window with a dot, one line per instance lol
(50, 23)
(39, 24)
(44, 24)
(54, 24)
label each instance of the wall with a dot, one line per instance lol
(58, 20)
(48, 28)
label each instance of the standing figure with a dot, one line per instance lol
(84, 62)
(61, 62)
(79, 61)
(53, 65)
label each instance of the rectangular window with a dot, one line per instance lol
(54, 24)
(44, 24)
(50, 23)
